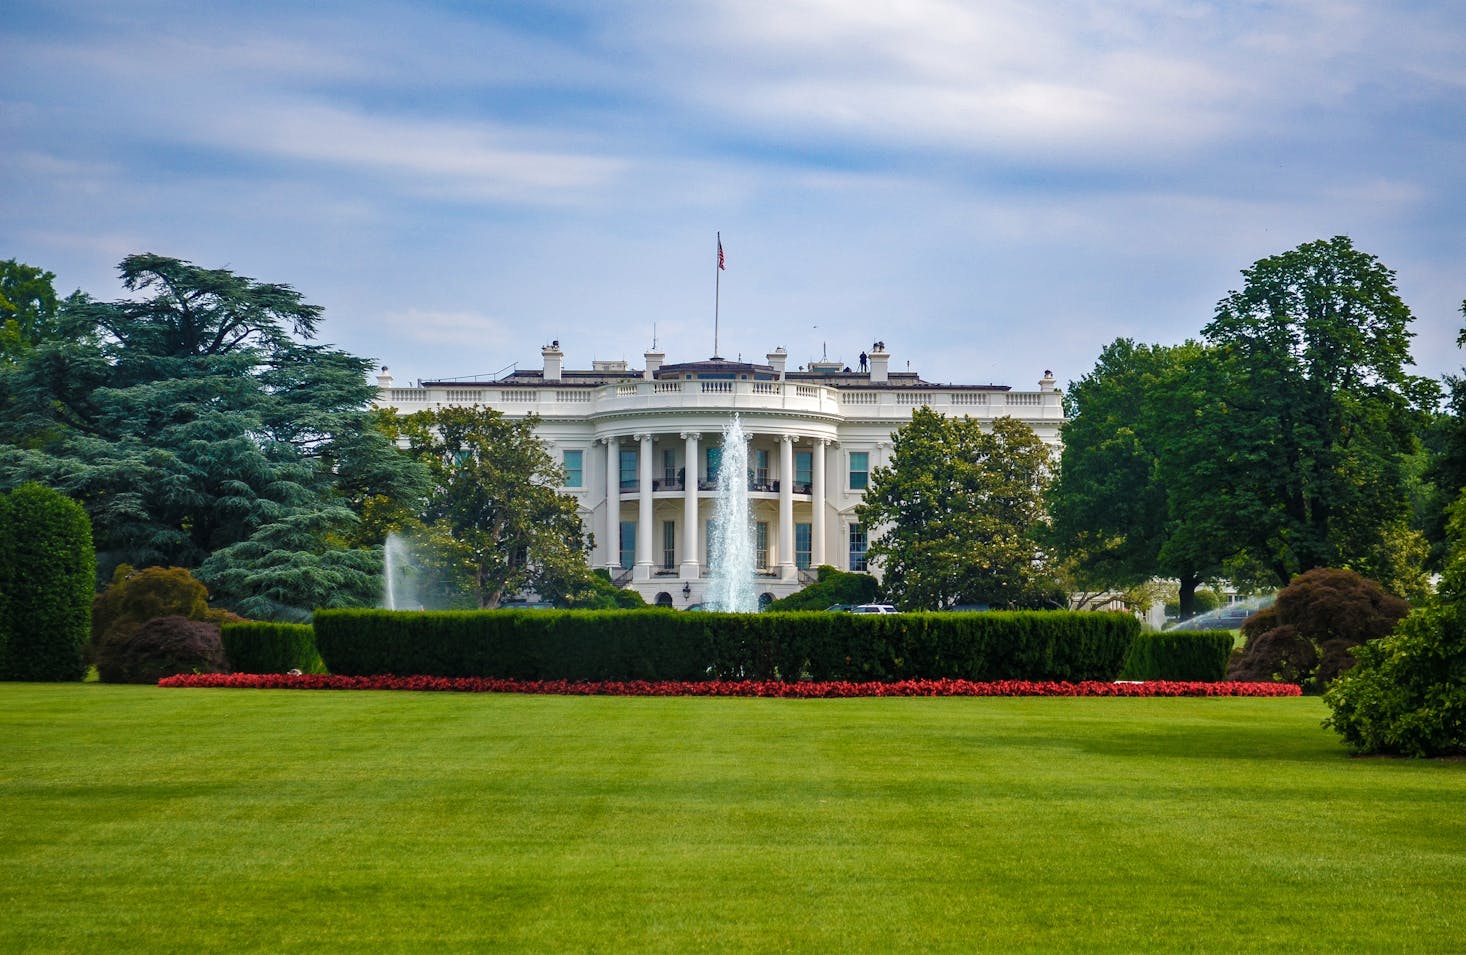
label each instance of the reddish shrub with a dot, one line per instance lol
(1306, 636)
(161, 647)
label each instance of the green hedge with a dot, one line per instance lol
(1179, 655)
(48, 572)
(267, 647)
(666, 645)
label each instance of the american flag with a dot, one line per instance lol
(722, 263)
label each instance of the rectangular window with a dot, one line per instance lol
(761, 546)
(859, 470)
(669, 466)
(858, 546)
(574, 468)
(669, 545)
(628, 544)
(803, 471)
(761, 467)
(628, 470)
(715, 461)
(707, 542)
(803, 538)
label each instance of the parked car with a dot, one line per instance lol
(874, 608)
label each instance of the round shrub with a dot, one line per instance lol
(1306, 636)
(163, 646)
(48, 575)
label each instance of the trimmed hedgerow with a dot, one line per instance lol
(665, 645)
(270, 647)
(1188, 655)
(48, 575)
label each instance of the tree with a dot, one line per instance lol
(1114, 513)
(27, 308)
(1445, 472)
(494, 523)
(198, 422)
(1318, 411)
(954, 513)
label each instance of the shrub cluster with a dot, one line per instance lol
(666, 645)
(48, 572)
(261, 647)
(129, 640)
(752, 688)
(1179, 655)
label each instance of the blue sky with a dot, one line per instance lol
(992, 188)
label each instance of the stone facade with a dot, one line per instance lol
(641, 448)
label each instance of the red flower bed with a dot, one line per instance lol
(770, 688)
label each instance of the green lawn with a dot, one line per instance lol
(140, 818)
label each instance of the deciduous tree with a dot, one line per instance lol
(953, 516)
(494, 522)
(1320, 411)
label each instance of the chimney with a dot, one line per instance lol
(880, 361)
(554, 360)
(1046, 383)
(653, 362)
(777, 358)
(384, 380)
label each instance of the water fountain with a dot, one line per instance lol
(398, 591)
(730, 584)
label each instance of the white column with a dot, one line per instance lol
(817, 505)
(644, 560)
(786, 507)
(613, 505)
(690, 568)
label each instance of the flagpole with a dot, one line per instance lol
(717, 291)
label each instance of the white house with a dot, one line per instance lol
(641, 452)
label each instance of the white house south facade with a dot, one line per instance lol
(641, 449)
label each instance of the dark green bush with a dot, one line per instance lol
(48, 577)
(1199, 655)
(831, 587)
(666, 645)
(163, 646)
(268, 647)
(1407, 694)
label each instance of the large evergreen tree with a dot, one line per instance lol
(198, 421)
(953, 516)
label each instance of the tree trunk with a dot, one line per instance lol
(1187, 595)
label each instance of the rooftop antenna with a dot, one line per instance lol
(654, 336)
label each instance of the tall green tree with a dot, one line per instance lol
(201, 426)
(28, 308)
(1319, 412)
(1445, 472)
(494, 522)
(953, 516)
(1114, 517)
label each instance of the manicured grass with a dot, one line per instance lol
(148, 819)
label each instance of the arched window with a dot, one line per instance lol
(664, 599)
(764, 599)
